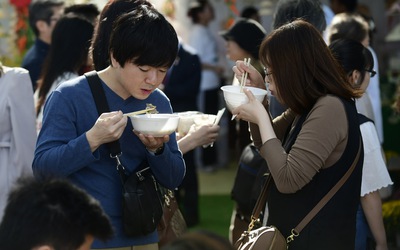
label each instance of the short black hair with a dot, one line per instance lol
(144, 37)
(42, 10)
(101, 39)
(51, 212)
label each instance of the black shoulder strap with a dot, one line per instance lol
(101, 104)
(292, 132)
(363, 119)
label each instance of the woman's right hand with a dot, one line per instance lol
(108, 128)
(254, 78)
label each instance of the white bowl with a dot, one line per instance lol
(156, 125)
(186, 120)
(204, 119)
(234, 98)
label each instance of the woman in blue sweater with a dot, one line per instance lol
(72, 142)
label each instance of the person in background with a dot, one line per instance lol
(312, 145)
(201, 13)
(52, 214)
(353, 26)
(69, 52)
(358, 63)
(251, 12)
(347, 26)
(287, 11)
(182, 82)
(43, 16)
(182, 86)
(17, 128)
(243, 40)
(90, 12)
(72, 142)
(86, 10)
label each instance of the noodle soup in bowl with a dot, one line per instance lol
(234, 97)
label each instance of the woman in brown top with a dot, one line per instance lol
(313, 143)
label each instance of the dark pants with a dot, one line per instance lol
(188, 192)
(211, 105)
(239, 136)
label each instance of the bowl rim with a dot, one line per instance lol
(152, 116)
(228, 88)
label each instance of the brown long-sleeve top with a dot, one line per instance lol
(319, 145)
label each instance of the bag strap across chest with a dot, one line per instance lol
(100, 99)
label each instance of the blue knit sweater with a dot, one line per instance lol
(63, 150)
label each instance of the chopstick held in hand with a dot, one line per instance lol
(244, 76)
(243, 80)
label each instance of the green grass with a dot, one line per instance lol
(215, 214)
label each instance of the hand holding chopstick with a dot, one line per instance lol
(243, 79)
(244, 76)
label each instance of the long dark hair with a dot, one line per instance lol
(303, 67)
(69, 51)
(101, 39)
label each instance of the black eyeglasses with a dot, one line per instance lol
(371, 72)
(267, 74)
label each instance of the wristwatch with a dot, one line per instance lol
(157, 151)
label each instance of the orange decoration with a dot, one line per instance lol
(22, 29)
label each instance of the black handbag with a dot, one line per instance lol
(250, 176)
(141, 204)
(251, 173)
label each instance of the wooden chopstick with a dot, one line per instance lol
(140, 111)
(244, 76)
